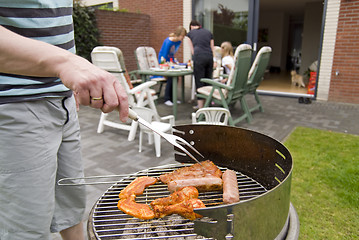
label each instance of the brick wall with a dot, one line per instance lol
(124, 30)
(345, 86)
(165, 17)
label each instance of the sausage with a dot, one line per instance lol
(230, 187)
(203, 184)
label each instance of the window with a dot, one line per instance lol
(226, 23)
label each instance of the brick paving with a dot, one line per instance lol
(109, 153)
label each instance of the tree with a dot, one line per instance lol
(223, 16)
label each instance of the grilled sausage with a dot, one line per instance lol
(203, 184)
(230, 187)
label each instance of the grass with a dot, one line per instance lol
(325, 183)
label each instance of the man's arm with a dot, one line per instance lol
(190, 46)
(25, 56)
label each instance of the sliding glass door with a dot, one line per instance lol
(228, 20)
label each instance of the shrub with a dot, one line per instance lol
(86, 31)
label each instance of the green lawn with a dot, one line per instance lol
(325, 183)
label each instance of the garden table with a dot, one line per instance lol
(174, 73)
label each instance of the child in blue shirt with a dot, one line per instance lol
(169, 47)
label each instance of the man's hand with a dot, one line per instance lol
(93, 86)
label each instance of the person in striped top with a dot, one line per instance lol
(40, 79)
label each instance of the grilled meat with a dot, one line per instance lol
(184, 208)
(185, 193)
(138, 210)
(230, 187)
(203, 184)
(206, 168)
(137, 186)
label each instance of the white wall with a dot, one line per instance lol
(98, 2)
(187, 18)
(326, 62)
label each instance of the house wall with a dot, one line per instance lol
(338, 74)
(124, 30)
(187, 18)
(328, 46)
(344, 85)
(166, 16)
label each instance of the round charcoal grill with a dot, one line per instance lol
(263, 167)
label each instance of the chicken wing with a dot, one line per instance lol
(185, 193)
(137, 186)
(184, 208)
(138, 210)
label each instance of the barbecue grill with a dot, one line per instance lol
(263, 167)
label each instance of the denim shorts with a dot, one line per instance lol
(39, 144)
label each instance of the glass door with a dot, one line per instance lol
(227, 19)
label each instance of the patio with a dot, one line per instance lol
(110, 153)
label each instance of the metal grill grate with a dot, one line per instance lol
(108, 222)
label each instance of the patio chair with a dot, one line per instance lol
(111, 59)
(212, 115)
(234, 89)
(149, 115)
(256, 73)
(146, 58)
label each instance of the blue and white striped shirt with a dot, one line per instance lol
(44, 20)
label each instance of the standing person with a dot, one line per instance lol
(39, 129)
(202, 47)
(227, 58)
(169, 47)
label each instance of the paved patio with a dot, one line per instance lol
(110, 153)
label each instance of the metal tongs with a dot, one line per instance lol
(173, 139)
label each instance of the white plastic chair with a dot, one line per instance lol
(146, 59)
(148, 115)
(212, 115)
(111, 59)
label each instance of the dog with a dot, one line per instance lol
(297, 79)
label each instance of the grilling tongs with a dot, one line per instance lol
(174, 140)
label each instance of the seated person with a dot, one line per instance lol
(217, 63)
(227, 58)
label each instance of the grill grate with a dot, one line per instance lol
(111, 223)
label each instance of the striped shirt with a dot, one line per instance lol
(45, 20)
